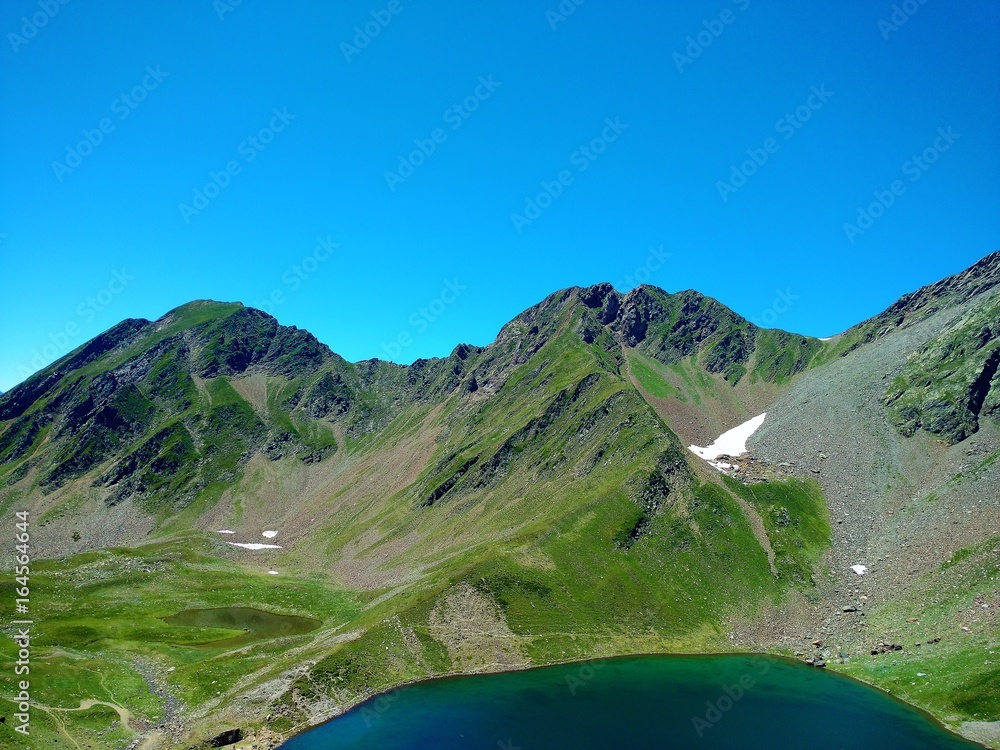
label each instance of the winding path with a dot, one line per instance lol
(124, 715)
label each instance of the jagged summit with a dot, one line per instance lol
(206, 340)
(668, 328)
(536, 490)
(981, 277)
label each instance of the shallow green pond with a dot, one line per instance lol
(256, 624)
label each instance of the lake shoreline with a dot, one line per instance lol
(937, 722)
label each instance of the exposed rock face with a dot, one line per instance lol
(472, 627)
(953, 381)
(924, 302)
(230, 737)
(595, 296)
(152, 405)
(666, 327)
(17, 400)
(659, 492)
(149, 402)
(637, 309)
(535, 463)
(329, 397)
(162, 423)
(160, 420)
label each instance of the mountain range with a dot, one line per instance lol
(529, 502)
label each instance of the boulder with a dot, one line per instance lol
(229, 737)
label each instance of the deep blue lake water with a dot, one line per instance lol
(746, 702)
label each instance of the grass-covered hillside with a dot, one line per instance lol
(524, 503)
(953, 380)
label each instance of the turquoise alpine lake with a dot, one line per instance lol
(661, 702)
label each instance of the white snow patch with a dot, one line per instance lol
(828, 338)
(225, 531)
(731, 443)
(254, 546)
(269, 534)
(273, 573)
(860, 569)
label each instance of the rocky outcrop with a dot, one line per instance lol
(918, 305)
(442, 489)
(253, 340)
(497, 465)
(21, 397)
(953, 381)
(230, 737)
(658, 492)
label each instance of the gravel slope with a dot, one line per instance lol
(894, 505)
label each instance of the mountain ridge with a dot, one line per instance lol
(536, 489)
(977, 278)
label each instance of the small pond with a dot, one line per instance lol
(256, 624)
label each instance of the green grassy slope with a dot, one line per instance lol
(518, 504)
(958, 677)
(953, 380)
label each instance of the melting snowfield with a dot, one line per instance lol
(731, 443)
(255, 545)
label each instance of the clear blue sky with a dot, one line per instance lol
(182, 90)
